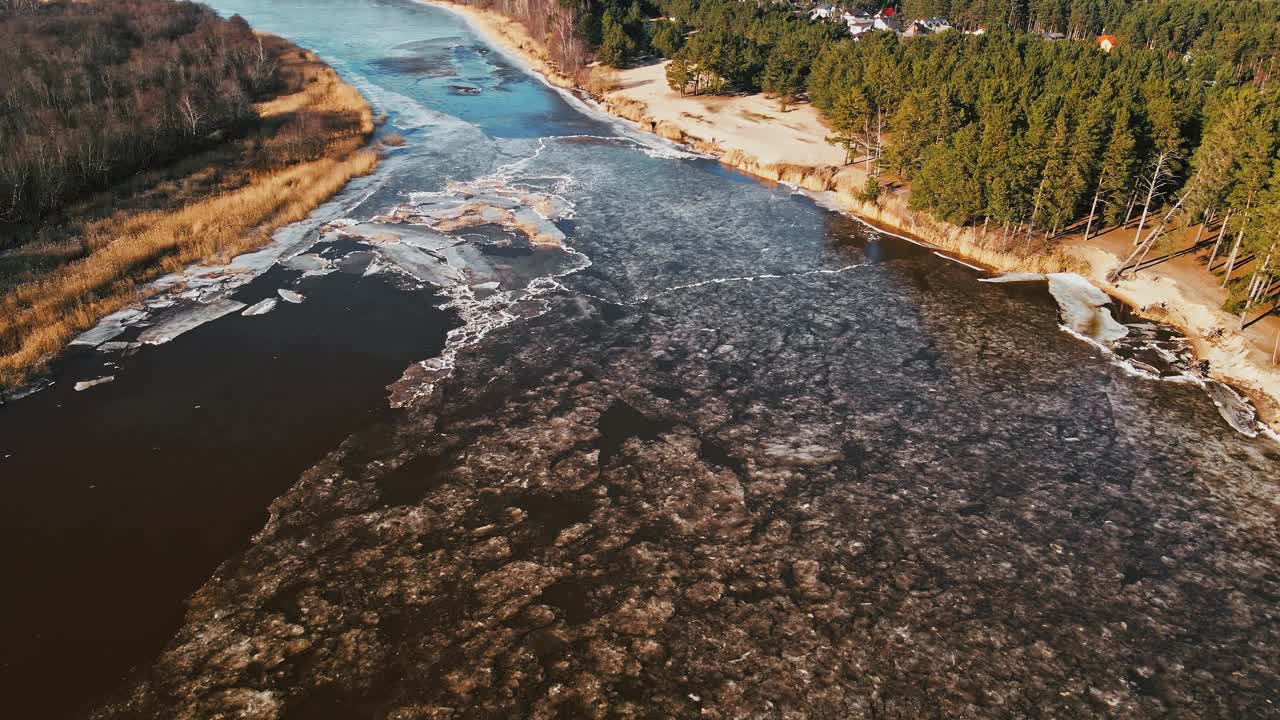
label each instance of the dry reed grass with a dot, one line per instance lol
(212, 221)
(600, 80)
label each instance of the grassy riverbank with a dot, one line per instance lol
(306, 139)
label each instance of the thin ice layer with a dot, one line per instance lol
(179, 323)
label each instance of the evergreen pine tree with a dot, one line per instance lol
(1117, 171)
(615, 45)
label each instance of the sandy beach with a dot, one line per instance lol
(748, 132)
(509, 37)
(747, 123)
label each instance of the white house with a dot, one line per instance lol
(936, 24)
(885, 22)
(858, 24)
(823, 12)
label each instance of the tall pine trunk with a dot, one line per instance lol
(879, 138)
(1093, 209)
(1133, 199)
(1218, 244)
(1258, 283)
(866, 144)
(1200, 231)
(1156, 172)
(1231, 259)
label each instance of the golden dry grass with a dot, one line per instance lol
(600, 80)
(217, 221)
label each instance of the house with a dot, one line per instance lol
(928, 26)
(976, 31)
(1107, 42)
(936, 24)
(823, 12)
(915, 29)
(858, 24)
(886, 21)
(1054, 36)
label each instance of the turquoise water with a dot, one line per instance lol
(434, 54)
(722, 453)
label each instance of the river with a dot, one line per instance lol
(702, 449)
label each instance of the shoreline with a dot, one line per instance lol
(136, 247)
(683, 120)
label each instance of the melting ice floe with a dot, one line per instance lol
(86, 384)
(1083, 307)
(179, 302)
(487, 292)
(1237, 411)
(174, 325)
(404, 241)
(260, 308)
(310, 264)
(1143, 349)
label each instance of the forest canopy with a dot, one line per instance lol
(1019, 133)
(1026, 125)
(144, 135)
(93, 92)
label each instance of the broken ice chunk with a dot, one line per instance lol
(1237, 411)
(260, 308)
(179, 323)
(290, 296)
(116, 346)
(110, 327)
(308, 263)
(1084, 307)
(86, 384)
(1014, 277)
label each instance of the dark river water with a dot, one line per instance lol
(723, 454)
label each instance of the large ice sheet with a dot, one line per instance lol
(1084, 307)
(110, 327)
(187, 320)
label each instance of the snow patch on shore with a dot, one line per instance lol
(1084, 307)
